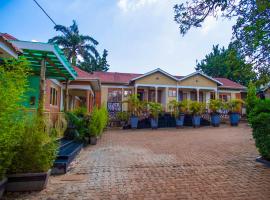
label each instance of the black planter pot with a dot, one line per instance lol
(93, 140)
(27, 182)
(3, 184)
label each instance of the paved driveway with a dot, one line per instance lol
(204, 163)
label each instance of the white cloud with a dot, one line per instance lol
(131, 5)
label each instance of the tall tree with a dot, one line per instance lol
(252, 29)
(227, 63)
(97, 64)
(74, 44)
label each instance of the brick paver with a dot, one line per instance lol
(205, 163)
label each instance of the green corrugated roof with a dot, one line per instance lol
(57, 65)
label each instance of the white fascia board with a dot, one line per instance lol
(206, 76)
(154, 71)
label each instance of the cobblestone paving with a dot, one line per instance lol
(205, 163)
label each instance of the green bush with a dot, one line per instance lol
(36, 150)
(234, 105)
(155, 109)
(215, 105)
(251, 98)
(134, 105)
(122, 116)
(98, 121)
(260, 122)
(196, 108)
(13, 85)
(78, 120)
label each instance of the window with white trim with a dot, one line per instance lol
(53, 96)
(172, 92)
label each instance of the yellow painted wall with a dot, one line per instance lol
(104, 95)
(201, 81)
(156, 78)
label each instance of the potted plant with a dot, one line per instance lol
(13, 85)
(134, 109)
(98, 122)
(35, 153)
(6, 154)
(234, 107)
(123, 117)
(178, 109)
(196, 109)
(215, 105)
(154, 109)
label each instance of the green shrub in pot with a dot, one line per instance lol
(134, 108)
(97, 124)
(196, 109)
(260, 123)
(154, 109)
(35, 153)
(179, 108)
(215, 105)
(234, 107)
(13, 85)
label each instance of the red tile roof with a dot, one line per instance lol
(229, 84)
(124, 78)
(4, 37)
(81, 73)
(8, 36)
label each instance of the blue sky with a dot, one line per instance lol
(140, 35)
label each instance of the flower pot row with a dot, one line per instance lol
(215, 120)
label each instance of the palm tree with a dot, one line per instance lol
(74, 44)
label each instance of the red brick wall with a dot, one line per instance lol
(48, 107)
(98, 98)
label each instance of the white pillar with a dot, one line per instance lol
(188, 95)
(207, 97)
(166, 97)
(198, 95)
(156, 94)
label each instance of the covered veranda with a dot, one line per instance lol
(165, 93)
(47, 61)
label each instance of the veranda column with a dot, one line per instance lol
(122, 105)
(66, 96)
(42, 88)
(216, 94)
(198, 95)
(88, 100)
(156, 94)
(166, 98)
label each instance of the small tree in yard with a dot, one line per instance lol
(260, 122)
(13, 85)
(251, 97)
